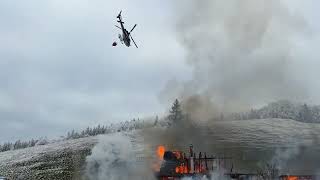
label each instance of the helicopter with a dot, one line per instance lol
(126, 37)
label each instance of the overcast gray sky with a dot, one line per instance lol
(58, 70)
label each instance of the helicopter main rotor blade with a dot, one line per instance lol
(133, 28)
(117, 26)
(133, 41)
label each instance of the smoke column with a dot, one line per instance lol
(240, 52)
(114, 158)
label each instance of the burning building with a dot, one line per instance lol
(177, 164)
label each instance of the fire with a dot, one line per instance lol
(160, 151)
(157, 163)
(182, 169)
(292, 178)
(177, 169)
(180, 163)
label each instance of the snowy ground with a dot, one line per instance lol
(60, 160)
(248, 142)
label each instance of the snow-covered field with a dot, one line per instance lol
(59, 160)
(249, 142)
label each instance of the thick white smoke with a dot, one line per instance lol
(114, 158)
(215, 175)
(282, 157)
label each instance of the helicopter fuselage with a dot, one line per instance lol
(126, 37)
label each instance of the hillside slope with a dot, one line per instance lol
(60, 160)
(248, 141)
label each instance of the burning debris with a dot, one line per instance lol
(290, 177)
(177, 165)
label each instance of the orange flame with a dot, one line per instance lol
(292, 178)
(160, 151)
(177, 169)
(182, 169)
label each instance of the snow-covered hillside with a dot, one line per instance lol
(59, 160)
(282, 109)
(249, 142)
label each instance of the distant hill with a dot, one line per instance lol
(284, 110)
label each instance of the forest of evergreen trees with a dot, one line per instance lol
(21, 144)
(123, 126)
(120, 127)
(283, 110)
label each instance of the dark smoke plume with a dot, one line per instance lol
(240, 52)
